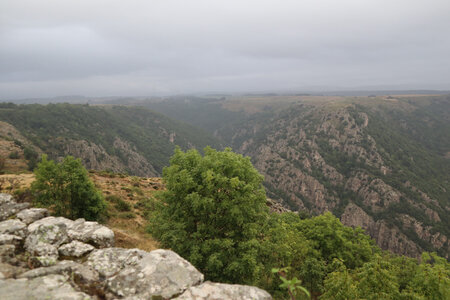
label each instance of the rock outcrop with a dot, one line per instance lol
(96, 157)
(385, 236)
(44, 257)
(324, 157)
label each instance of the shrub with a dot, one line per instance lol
(14, 155)
(67, 189)
(119, 203)
(212, 213)
(32, 156)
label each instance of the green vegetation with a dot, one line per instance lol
(213, 214)
(409, 159)
(67, 190)
(292, 285)
(32, 157)
(51, 127)
(14, 155)
(120, 204)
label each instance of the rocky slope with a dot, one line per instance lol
(335, 157)
(44, 257)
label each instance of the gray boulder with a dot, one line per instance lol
(54, 235)
(9, 207)
(40, 288)
(92, 233)
(14, 227)
(44, 238)
(159, 273)
(10, 239)
(110, 261)
(82, 274)
(62, 267)
(220, 291)
(80, 230)
(31, 215)
(75, 249)
(6, 198)
(50, 221)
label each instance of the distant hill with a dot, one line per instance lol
(135, 140)
(380, 162)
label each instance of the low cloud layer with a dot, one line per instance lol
(115, 47)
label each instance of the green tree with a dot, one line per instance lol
(282, 246)
(432, 278)
(340, 285)
(334, 240)
(377, 280)
(66, 189)
(32, 157)
(212, 213)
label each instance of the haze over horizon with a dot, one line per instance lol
(145, 48)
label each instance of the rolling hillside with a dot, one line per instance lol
(134, 140)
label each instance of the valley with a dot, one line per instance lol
(380, 163)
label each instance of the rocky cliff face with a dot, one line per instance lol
(44, 257)
(95, 157)
(323, 158)
(132, 140)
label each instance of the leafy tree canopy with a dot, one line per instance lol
(66, 188)
(212, 213)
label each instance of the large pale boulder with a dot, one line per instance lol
(159, 273)
(220, 291)
(10, 239)
(75, 249)
(91, 233)
(31, 215)
(44, 238)
(53, 234)
(6, 198)
(80, 273)
(50, 221)
(14, 227)
(110, 261)
(40, 288)
(9, 207)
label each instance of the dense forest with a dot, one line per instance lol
(136, 138)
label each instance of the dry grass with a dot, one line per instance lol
(129, 227)
(17, 165)
(130, 231)
(9, 183)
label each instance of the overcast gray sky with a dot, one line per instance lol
(155, 47)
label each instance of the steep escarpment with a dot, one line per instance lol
(44, 257)
(355, 159)
(121, 139)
